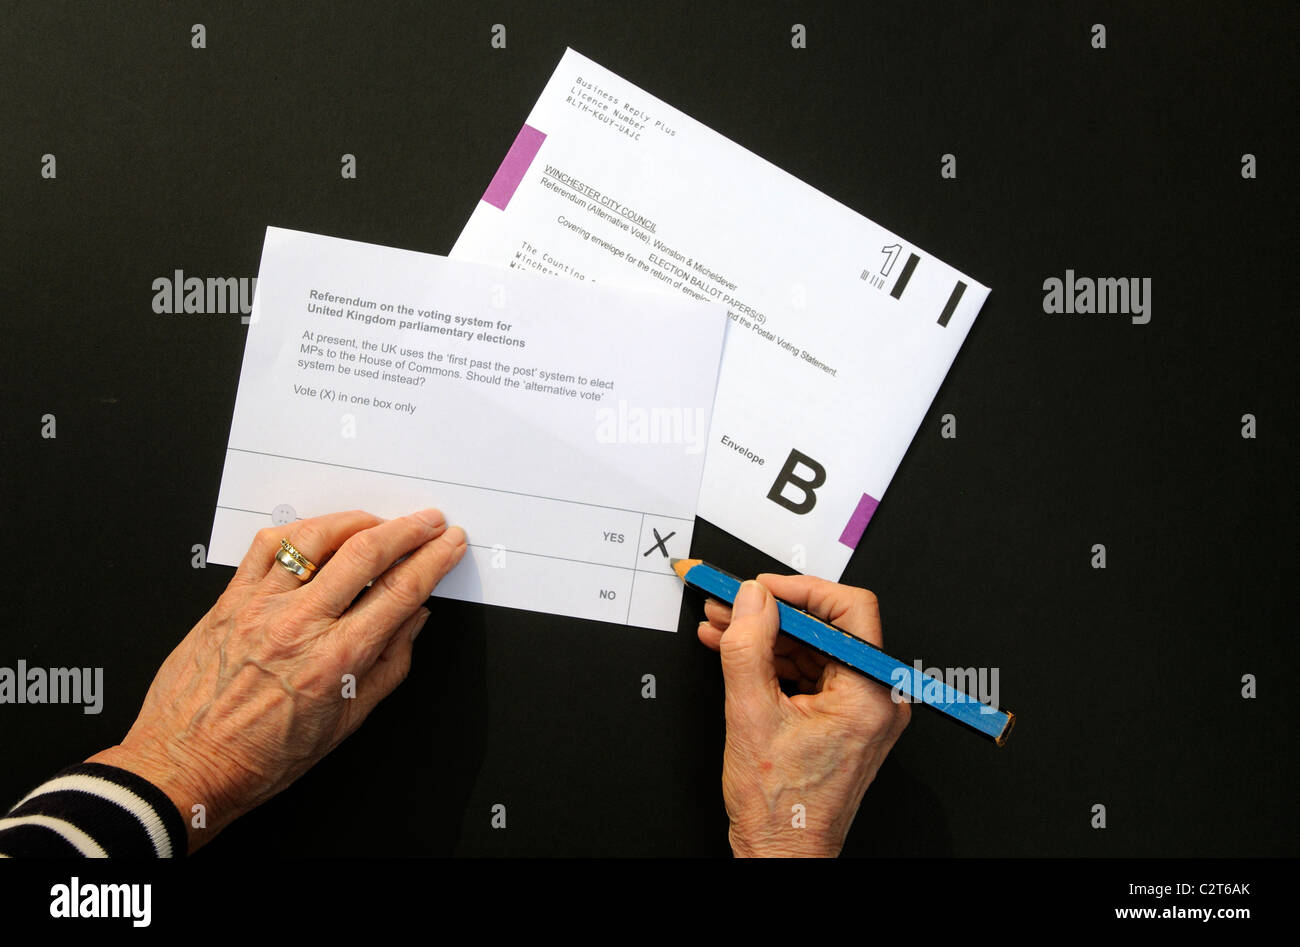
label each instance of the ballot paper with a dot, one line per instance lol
(563, 426)
(841, 333)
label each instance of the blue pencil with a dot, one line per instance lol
(865, 658)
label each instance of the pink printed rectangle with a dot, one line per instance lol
(513, 167)
(858, 521)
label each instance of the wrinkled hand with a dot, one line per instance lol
(819, 749)
(255, 694)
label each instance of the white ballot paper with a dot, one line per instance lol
(842, 331)
(563, 426)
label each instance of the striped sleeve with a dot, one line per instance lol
(94, 811)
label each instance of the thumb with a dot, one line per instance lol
(748, 666)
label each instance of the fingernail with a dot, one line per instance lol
(455, 536)
(749, 600)
(419, 624)
(431, 517)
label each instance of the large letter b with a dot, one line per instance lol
(807, 486)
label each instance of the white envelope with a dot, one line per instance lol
(841, 333)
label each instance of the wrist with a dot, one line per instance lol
(172, 778)
(785, 841)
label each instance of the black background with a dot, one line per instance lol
(1072, 429)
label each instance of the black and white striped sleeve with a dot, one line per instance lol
(95, 811)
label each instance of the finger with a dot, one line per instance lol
(718, 613)
(709, 635)
(401, 590)
(367, 555)
(748, 664)
(787, 668)
(719, 616)
(805, 683)
(810, 663)
(260, 556)
(853, 609)
(392, 665)
(852, 696)
(315, 538)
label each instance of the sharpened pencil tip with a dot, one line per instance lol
(683, 566)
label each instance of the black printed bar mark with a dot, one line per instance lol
(903, 277)
(951, 305)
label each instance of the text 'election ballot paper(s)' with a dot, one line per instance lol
(842, 332)
(563, 426)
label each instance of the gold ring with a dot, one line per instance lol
(294, 561)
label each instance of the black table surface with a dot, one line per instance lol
(1072, 430)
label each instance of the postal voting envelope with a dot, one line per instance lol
(840, 333)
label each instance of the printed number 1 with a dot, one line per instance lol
(892, 252)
